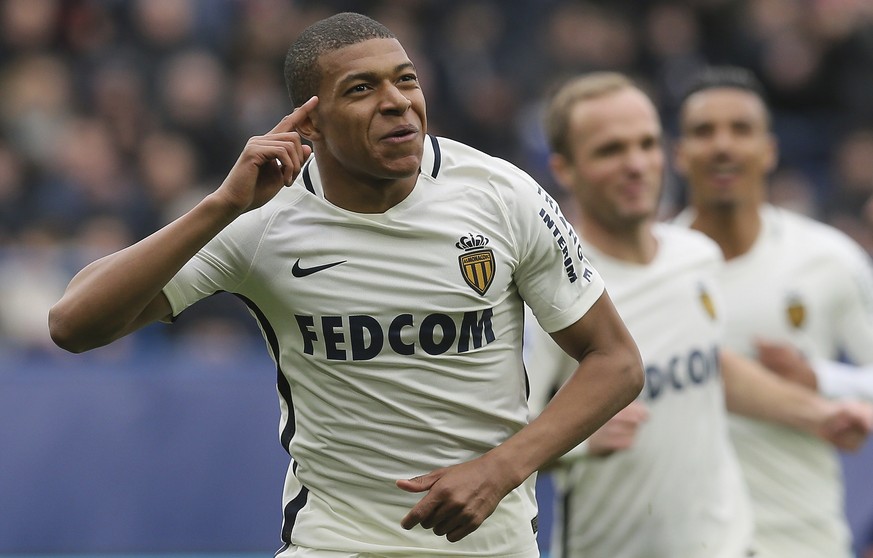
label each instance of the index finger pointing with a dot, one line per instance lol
(289, 123)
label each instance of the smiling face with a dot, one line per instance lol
(370, 122)
(615, 162)
(725, 149)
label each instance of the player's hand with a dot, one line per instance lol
(619, 432)
(848, 424)
(268, 162)
(788, 362)
(458, 499)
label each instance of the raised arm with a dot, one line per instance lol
(609, 376)
(121, 292)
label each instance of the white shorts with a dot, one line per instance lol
(302, 552)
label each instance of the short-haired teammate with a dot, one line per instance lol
(787, 279)
(660, 479)
(389, 282)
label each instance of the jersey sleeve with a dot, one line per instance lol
(221, 265)
(553, 276)
(855, 311)
(840, 380)
(548, 367)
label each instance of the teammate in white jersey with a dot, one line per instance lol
(389, 282)
(787, 279)
(661, 478)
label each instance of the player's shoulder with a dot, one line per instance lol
(287, 198)
(810, 235)
(257, 221)
(466, 163)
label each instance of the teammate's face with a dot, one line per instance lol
(725, 150)
(371, 117)
(617, 161)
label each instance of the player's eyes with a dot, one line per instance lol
(359, 88)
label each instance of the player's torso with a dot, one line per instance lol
(678, 490)
(398, 311)
(784, 290)
(408, 279)
(400, 338)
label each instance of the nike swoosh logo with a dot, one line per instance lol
(298, 271)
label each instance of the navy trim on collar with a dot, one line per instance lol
(437, 158)
(307, 179)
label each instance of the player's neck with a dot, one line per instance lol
(361, 193)
(634, 244)
(735, 229)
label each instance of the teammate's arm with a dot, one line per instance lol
(121, 292)
(830, 378)
(752, 390)
(787, 362)
(609, 376)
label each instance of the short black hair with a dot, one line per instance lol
(302, 75)
(718, 77)
(564, 100)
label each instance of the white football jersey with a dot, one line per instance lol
(397, 337)
(807, 284)
(678, 492)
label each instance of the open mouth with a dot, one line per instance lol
(401, 133)
(724, 171)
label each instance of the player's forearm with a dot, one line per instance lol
(753, 391)
(104, 301)
(601, 387)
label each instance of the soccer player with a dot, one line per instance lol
(661, 478)
(389, 282)
(787, 279)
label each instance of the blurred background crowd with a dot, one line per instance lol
(118, 115)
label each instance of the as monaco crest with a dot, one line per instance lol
(707, 303)
(796, 311)
(477, 262)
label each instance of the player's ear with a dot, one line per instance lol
(562, 170)
(309, 127)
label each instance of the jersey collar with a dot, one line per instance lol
(431, 160)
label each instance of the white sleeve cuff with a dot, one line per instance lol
(837, 379)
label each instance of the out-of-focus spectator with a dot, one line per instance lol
(169, 170)
(28, 26)
(32, 278)
(13, 195)
(164, 26)
(87, 178)
(850, 205)
(117, 95)
(195, 101)
(36, 97)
